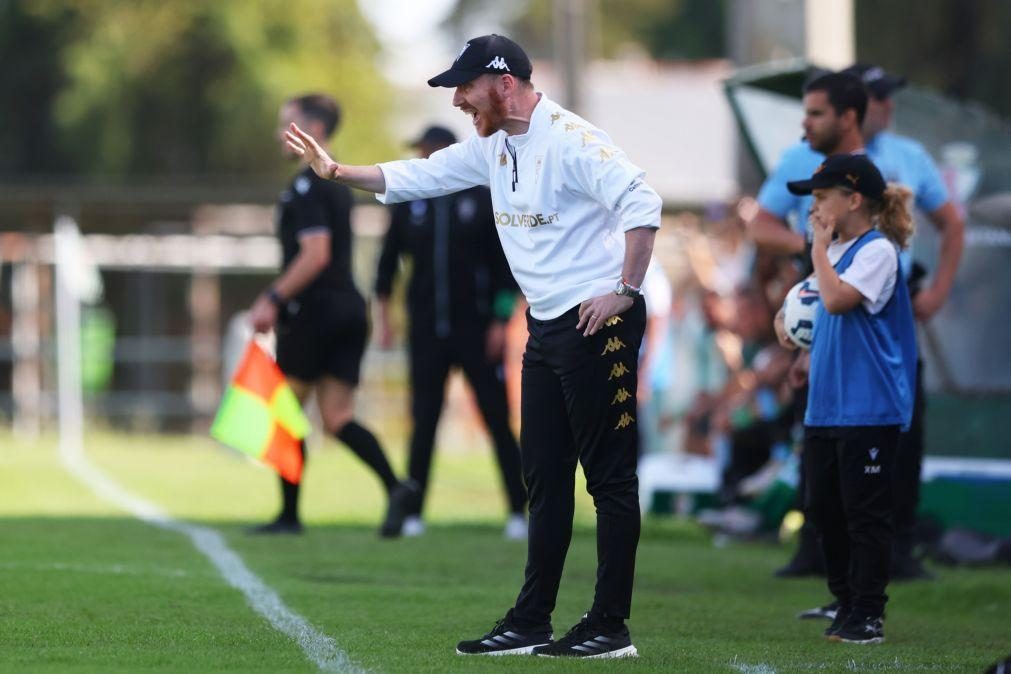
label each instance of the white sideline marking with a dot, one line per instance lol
(71, 262)
(318, 647)
(745, 668)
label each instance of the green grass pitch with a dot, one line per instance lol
(87, 588)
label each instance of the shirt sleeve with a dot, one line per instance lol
(931, 192)
(774, 197)
(872, 271)
(389, 257)
(603, 172)
(451, 169)
(309, 208)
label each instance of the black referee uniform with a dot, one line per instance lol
(322, 331)
(460, 283)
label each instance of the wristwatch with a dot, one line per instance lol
(275, 298)
(626, 289)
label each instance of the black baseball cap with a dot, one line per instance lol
(853, 171)
(880, 84)
(435, 135)
(486, 54)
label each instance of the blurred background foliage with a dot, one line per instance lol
(958, 47)
(110, 89)
(115, 89)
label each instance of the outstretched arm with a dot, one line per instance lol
(368, 178)
(952, 228)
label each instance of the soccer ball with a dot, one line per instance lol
(799, 309)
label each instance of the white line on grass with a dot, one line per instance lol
(318, 647)
(70, 269)
(745, 668)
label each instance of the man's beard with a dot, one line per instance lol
(493, 118)
(827, 144)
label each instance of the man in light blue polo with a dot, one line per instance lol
(781, 226)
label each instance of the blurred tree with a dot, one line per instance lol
(958, 47)
(148, 87)
(666, 29)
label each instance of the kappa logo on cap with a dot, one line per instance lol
(873, 75)
(498, 63)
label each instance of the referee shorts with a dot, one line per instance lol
(323, 333)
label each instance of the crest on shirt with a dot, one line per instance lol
(466, 209)
(502, 159)
(418, 210)
(302, 184)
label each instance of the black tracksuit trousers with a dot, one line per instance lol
(579, 404)
(849, 495)
(431, 358)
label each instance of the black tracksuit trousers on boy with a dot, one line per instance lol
(849, 496)
(579, 405)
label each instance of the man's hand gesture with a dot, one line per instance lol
(305, 146)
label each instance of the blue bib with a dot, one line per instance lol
(863, 366)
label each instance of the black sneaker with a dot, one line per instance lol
(590, 640)
(828, 612)
(861, 629)
(842, 615)
(404, 499)
(278, 526)
(506, 639)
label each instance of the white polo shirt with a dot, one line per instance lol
(563, 197)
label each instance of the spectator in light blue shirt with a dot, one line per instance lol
(781, 225)
(901, 160)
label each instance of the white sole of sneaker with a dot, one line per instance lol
(861, 642)
(526, 650)
(626, 652)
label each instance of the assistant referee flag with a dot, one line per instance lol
(260, 415)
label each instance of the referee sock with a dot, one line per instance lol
(289, 494)
(365, 445)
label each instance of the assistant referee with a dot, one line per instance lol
(318, 315)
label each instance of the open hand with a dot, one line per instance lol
(305, 146)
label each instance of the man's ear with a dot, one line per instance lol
(315, 128)
(849, 118)
(508, 83)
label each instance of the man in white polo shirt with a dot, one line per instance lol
(577, 222)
